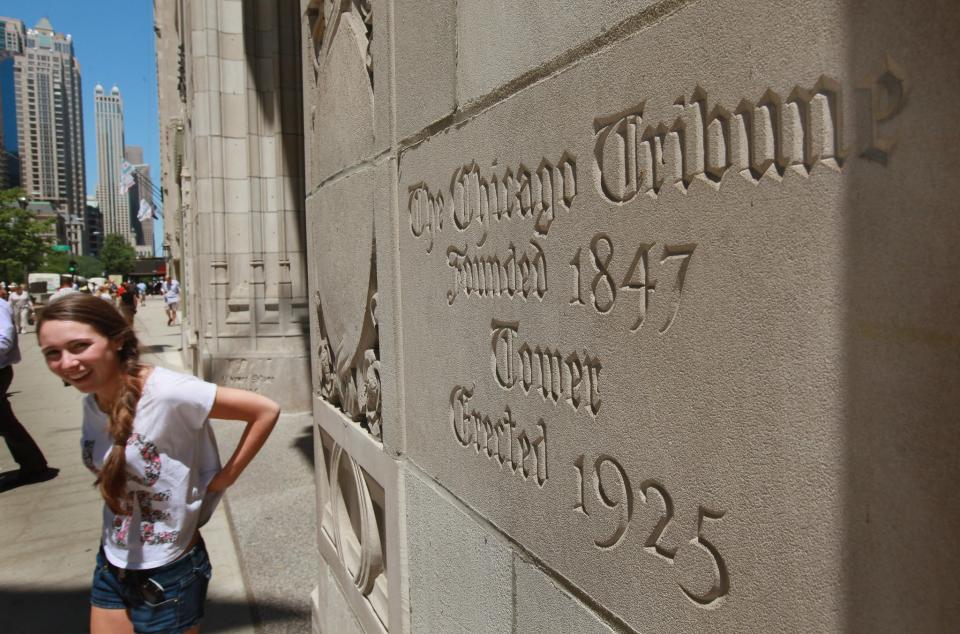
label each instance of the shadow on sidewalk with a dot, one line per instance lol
(29, 611)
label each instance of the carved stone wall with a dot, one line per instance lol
(239, 235)
(633, 316)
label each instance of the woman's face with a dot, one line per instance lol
(80, 355)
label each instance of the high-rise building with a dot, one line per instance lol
(49, 121)
(11, 44)
(114, 205)
(141, 190)
(93, 221)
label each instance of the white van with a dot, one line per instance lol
(41, 286)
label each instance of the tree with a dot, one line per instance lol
(24, 240)
(117, 254)
(87, 265)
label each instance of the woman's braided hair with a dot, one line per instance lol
(108, 321)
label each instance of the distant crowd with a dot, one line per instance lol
(126, 296)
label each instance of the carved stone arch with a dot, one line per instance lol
(355, 524)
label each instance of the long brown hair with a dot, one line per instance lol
(108, 321)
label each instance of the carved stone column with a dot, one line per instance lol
(244, 101)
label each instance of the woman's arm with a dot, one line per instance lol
(260, 414)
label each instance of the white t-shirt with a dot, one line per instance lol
(19, 301)
(171, 458)
(171, 292)
(63, 290)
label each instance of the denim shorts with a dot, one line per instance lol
(165, 599)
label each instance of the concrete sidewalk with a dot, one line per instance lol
(49, 531)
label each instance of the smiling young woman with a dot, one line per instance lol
(147, 438)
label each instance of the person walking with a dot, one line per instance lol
(142, 292)
(66, 288)
(22, 306)
(128, 300)
(171, 296)
(146, 435)
(33, 464)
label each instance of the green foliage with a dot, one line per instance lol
(117, 254)
(22, 244)
(87, 265)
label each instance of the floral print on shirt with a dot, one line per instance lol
(142, 500)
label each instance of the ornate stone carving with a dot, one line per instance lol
(353, 387)
(348, 369)
(324, 16)
(368, 391)
(351, 508)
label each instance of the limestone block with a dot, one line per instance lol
(708, 388)
(387, 227)
(499, 40)
(233, 76)
(268, 227)
(236, 163)
(211, 75)
(382, 71)
(231, 46)
(344, 125)
(331, 614)
(460, 575)
(230, 19)
(426, 62)
(201, 114)
(264, 373)
(236, 195)
(234, 116)
(204, 194)
(198, 41)
(342, 241)
(237, 232)
(212, 37)
(542, 605)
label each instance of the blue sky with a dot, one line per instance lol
(113, 40)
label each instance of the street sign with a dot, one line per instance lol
(60, 248)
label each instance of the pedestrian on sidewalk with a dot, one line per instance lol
(22, 307)
(66, 288)
(147, 437)
(128, 300)
(171, 296)
(33, 465)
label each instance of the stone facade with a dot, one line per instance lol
(232, 162)
(624, 316)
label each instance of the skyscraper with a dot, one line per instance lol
(12, 35)
(141, 190)
(115, 207)
(49, 121)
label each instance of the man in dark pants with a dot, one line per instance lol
(25, 451)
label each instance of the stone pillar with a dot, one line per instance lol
(248, 201)
(240, 236)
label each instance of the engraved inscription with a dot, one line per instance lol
(601, 291)
(539, 194)
(888, 95)
(632, 156)
(544, 370)
(509, 275)
(426, 213)
(502, 441)
(606, 488)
